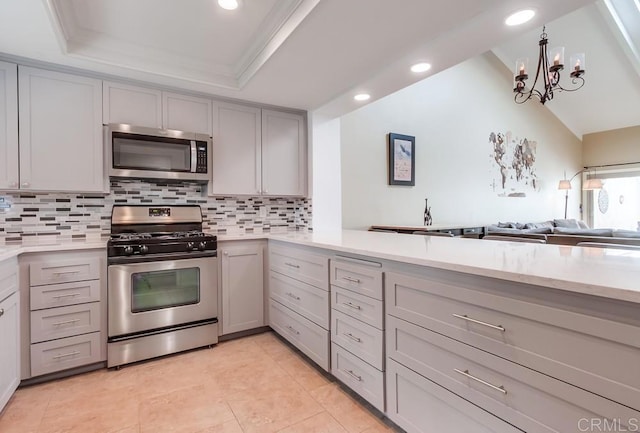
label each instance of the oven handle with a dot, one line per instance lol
(125, 260)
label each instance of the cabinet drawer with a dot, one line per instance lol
(598, 354)
(64, 271)
(303, 266)
(357, 278)
(304, 299)
(361, 307)
(59, 295)
(358, 375)
(65, 353)
(64, 321)
(420, 406)
(310, 338)
(361, 339)
(523, 397)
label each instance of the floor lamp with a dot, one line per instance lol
(589, 184)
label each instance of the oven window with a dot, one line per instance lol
(164, 289)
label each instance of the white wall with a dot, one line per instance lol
(327, 196)
(451, 114)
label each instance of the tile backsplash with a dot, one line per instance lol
(24, 216)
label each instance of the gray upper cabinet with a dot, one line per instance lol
(60, 131)
(258, 152)
(236, 150)
(153, 108)
(283, 154)
(133, 105)
(9, 126)
(186, 113)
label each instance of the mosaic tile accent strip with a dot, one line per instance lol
(77, 216)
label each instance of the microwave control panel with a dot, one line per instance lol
(201, 161)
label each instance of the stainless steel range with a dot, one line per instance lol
(162, 283)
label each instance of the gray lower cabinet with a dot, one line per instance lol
(242, 276)
(419, 405)
(299, 299)
(65, 314)
(539, 359)
(9, 330)
(357, 327)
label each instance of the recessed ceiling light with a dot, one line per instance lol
(228, 4)
(420, 67)
(362, 97)
(519, 17)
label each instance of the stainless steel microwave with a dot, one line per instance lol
(148, 153)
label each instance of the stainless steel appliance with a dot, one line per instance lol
(162, 283)
(147, 153)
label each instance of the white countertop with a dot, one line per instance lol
(612, 273)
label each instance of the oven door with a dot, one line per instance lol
(155, 295)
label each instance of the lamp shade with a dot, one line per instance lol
(564, 184)
(591, 184)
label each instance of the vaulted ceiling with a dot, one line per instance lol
(316, 54)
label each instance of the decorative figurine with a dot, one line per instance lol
(427, 213)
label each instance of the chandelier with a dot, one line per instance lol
(549, 67)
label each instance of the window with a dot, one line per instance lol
(617, 204)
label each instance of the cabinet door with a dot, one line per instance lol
(236, 150)
(283, 154)
(242, 288)
(139, 106)
(10, 350)
(60, 131)
(186, 113)
(8, 126)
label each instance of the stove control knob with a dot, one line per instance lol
(144, 249)
(128, 250)
(202, 246)
(191, 246)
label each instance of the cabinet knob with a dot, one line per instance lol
(26, 184)
(1, 312)
(14, 185)
(266, 191)
(226, 253)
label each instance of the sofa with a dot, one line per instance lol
(564, 232)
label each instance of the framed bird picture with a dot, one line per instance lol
(402, 159)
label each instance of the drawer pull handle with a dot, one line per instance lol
(290, 328)
(66, 322)
(489, 325)
(69, 295)
(350, 305)
(352, 374)
(66, 272)
(66, 355)
(292, 265)
(291, 295)
(352, 280)
(353, 337)
(465, 373)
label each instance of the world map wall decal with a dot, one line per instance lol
(513, 171)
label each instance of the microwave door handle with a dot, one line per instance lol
(194, 156)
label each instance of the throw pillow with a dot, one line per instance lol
(570, 224)
(626, 234)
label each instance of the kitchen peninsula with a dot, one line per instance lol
(539, 336)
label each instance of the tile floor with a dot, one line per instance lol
(256, 384)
